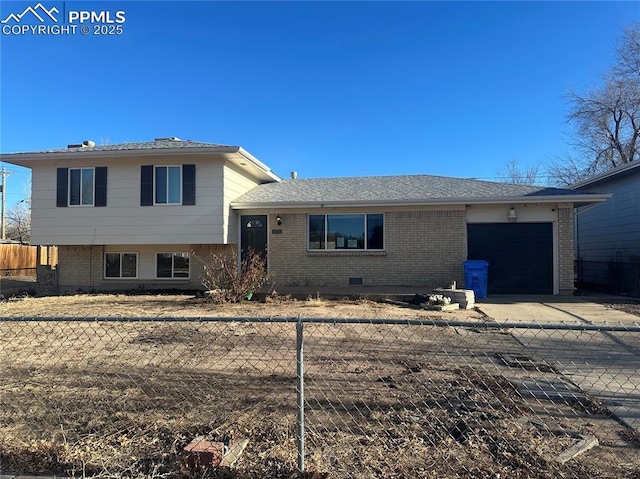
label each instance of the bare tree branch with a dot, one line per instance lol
(513, 174)
(606, 120)
(19, 222)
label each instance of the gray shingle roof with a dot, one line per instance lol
(159, 144)
(419, 188)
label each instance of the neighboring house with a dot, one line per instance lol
(133, 215)
(608, 236)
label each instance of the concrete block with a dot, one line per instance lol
(465, 297)
(442, 307)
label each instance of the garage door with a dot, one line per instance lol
(520, 256)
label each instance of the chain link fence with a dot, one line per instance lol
(316, 398)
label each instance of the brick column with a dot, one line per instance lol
(566, 252)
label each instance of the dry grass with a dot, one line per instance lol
(121, 399)
(182, 306)
(316, 302)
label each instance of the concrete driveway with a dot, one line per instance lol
(604, 365)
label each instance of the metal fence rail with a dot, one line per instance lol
(336, 397)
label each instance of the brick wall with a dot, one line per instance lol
(81, 268)
(566, 250)
(47, 284)
(422, 248)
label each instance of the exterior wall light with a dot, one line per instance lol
(512, 215)
(279, 220)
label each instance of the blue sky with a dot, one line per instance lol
(323, 88)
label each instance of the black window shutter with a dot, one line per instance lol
(101, 186)
(146, 185)
(62, 187)
(188, 184)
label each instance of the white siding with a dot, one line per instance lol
(235, 185)
(123, 220)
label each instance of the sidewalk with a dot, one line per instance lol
(604, 365)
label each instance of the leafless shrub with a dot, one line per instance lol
(228, 280)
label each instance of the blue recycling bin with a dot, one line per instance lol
(476, 276)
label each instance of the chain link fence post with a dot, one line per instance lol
(300, 391)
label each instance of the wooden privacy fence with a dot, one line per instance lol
(18, 259)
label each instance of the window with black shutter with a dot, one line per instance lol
(81, 186)
(101, 186)
(167, 185)
(62, 182)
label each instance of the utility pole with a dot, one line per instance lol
(3, 189)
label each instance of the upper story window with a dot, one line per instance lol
(346, 232)
(81, 186)
(168, 185)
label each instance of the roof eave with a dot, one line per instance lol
(621, 170)
(258, 164)
(26, 159)
(23, 159)
(577, 200)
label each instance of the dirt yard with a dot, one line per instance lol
(122, 398)
(630, 306)
(179, 306)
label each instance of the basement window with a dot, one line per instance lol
(121, 265)
(172, 265)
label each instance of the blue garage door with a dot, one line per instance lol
(520, 256)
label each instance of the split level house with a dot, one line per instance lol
(140, 215)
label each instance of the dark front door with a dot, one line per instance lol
(253, 234)
(520, 256)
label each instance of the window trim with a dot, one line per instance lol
(121, 253)
(93, 187)
(348, 250)
(172, 278)
(180, 202)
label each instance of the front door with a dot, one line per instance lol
(253, 234)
